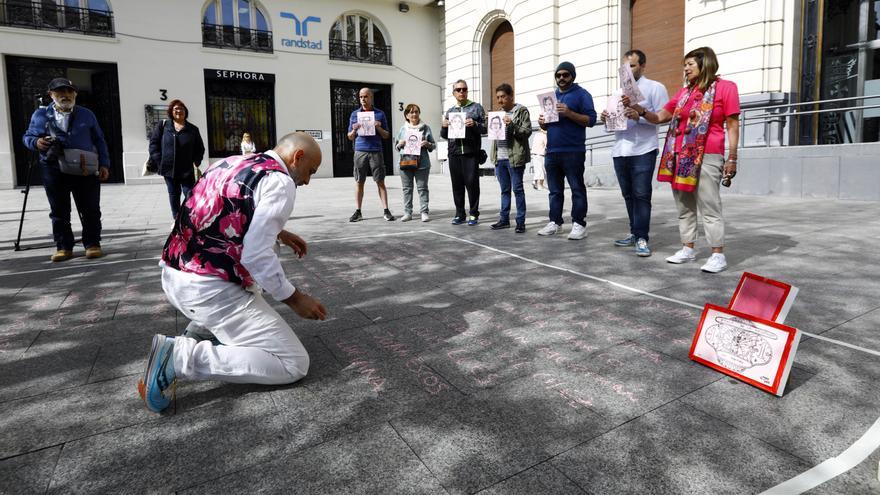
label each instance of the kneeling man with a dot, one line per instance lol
(219, 255)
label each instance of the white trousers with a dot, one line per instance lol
(706, 201)
(538, 168)
(258, 345)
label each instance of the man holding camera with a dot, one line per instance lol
(54, 131)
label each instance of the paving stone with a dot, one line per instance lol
(374, 460)
(39, 371)
(676, 449)
(814, 420)
(371, 382)
(28, 473)
(55, 418)
(843, 364)
(13, 346)
(543, 478)
(477, 442)
(170, 453)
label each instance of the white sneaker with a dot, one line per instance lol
(683, 255)
(550, 229)
(406, 217)
(717, 262)
(425, 217)
(577, 233)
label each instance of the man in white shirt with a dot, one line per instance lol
(221, 252)
(635, 155)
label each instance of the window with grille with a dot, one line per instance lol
(236, 25)
(90, 17)
(356, 38)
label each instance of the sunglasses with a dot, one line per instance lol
(460, 90)
(563, 75)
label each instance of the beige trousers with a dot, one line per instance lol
(706, 201)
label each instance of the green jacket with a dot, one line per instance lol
(518, 133)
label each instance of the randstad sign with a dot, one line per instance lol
(302, 30)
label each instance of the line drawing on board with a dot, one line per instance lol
(738, 343)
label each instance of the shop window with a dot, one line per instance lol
(239, 102)
(90, 17)
(357, 38)
(236, 25)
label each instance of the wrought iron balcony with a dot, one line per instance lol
(236, 38)
(353, 51)
(51, 17)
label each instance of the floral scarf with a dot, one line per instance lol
(682, 169)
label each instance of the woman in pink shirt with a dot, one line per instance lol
(693, 156)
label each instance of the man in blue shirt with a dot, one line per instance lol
(368, 159)
(566, 152)
(65, 126)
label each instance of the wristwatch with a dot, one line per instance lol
(643, 112)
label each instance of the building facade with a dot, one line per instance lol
(273, 66)
(779, 53)
(266, 67)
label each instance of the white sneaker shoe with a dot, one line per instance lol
(406, 217)
(550, 229)
(425, 217)
(577, 233)
(717, 262)
(683, 255)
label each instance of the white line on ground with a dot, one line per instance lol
(352, 238)
(80, 265)
(848, 459)
(633, 289)
(831, 468)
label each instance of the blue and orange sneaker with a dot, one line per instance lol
(159, 376)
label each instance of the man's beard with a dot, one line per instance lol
(65, 104)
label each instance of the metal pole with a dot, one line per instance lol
(26, 192)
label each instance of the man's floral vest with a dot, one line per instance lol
(208, 233)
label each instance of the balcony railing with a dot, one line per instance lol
(236, 38)
(353, 51)
(51, 17)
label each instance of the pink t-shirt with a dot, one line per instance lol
(726, 104)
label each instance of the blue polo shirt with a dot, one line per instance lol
(567, 135)
(368, 143)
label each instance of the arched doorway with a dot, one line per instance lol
(501, 61)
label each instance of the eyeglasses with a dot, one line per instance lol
(460, 90)
(563, 75)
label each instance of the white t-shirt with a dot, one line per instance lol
(641, 137)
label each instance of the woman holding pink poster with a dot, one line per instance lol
(693, 156)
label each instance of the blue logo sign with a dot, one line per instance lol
(302, 30)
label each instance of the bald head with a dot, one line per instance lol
(301, 155)
(365, 96)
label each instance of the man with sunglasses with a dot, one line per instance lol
(464, 154)
(566, 152)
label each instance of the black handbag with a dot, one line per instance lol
(482, 156)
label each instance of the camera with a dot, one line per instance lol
(55, 150)
(725, 181)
